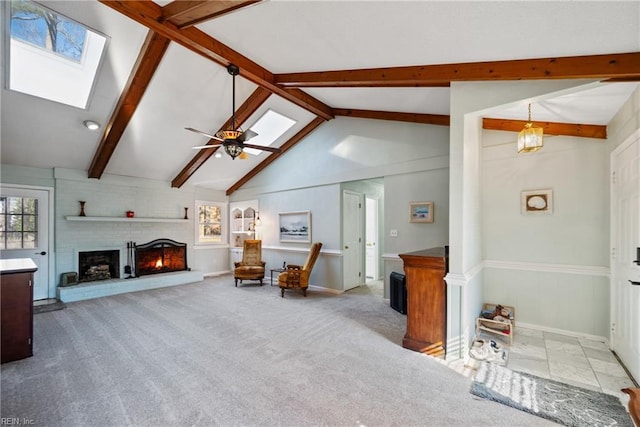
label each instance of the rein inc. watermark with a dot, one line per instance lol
(17, 421)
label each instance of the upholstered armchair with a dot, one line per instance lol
(297, 277)
(251, 267)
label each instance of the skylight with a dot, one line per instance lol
(52, 56)
(269, 128)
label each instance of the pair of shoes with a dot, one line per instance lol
(479, 349)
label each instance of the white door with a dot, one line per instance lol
(352, 240)
(24, 230)
(371, 257)
(625, 299)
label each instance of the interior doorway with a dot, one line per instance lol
(371, 239)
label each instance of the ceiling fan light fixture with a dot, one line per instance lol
(232, 149)
(530, 138)
(229, 134)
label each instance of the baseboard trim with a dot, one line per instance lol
(524, 325)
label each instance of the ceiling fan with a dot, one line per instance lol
(233, 140)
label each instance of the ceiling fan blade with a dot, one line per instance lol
(208, 135)
(199, 147)
(262, 147)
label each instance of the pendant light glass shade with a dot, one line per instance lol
(530, 138)
(232, 149)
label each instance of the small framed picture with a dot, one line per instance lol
(537, 202)
(421, 212)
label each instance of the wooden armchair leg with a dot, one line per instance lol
(304, 292)
(282, 292)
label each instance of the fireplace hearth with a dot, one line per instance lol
(160, 256)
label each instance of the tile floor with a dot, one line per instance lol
(577, 361)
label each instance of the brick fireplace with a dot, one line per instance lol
(98, 265)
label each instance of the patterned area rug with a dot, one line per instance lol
(555, 401)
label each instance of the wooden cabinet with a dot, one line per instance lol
(426, 301)
(16, 303)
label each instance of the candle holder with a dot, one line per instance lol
(185, 213)
(82, 208)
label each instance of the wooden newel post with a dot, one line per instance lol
(426, 301)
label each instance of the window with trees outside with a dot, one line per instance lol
(18, 222)
(211, 222)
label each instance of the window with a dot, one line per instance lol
(18, 222)
(269, 127)
(211, 220)
(52, 56)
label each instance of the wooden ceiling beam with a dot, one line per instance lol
(257, 98)
(184, 14)
(149, 14)
(427, 119)
(610, 66)
(149, 58)
(283, 149)
(550, 128)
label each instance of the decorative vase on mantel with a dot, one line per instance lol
(82, 208)
(185, 213)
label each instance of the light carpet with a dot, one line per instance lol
(212, 354)
(563, 403)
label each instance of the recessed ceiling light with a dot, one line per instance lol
(91, 125)
(217, 155)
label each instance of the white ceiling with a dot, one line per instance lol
(290, 36)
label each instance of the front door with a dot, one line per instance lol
(625, 298)
(352, 240)
(24, 231)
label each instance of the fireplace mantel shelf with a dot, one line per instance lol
(123, 219)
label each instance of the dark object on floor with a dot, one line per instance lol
(552, 400)
(398, 285)
(634, 403)
(69, 279)
(45, 308)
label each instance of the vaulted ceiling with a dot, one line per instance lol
(311, 61)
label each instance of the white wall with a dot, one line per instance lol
(469, 102)
(552, 268)
(412, 158)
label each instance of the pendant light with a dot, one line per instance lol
(530, 138)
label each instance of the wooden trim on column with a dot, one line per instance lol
(149, 14)
(149, 58)
(428, 119)
(257, 98)
(283, 149)
(618, 66)
(186, 13)
(550, 128)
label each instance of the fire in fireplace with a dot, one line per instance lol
(98, 265)
(160, 256)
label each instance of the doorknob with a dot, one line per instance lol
(41, 253)
(346, 247)
(634, 283)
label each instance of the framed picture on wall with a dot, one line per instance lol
(295, 226)
(537, 202)
(421, 212)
